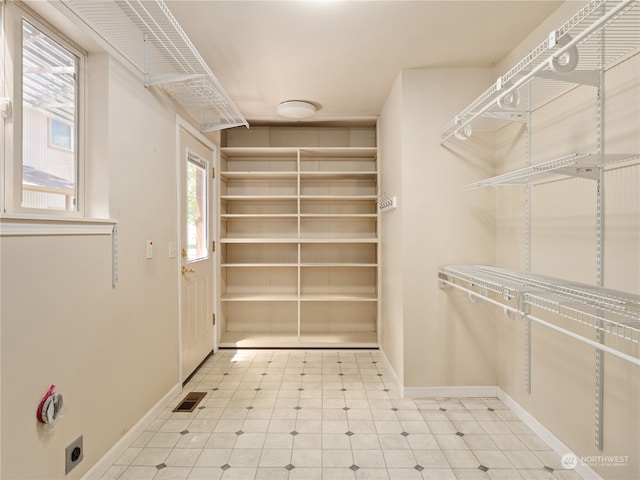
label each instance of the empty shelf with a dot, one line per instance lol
(611, 311)
(576, 165)
(151, 41)
(602, 32)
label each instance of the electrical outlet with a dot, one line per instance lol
(73, 455)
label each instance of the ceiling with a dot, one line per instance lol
(344, 56)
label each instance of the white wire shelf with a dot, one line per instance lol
(146, 35)
(576, 165)
(611, 311)
(593, 39)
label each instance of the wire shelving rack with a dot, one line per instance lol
(146, 37)
(577, 40)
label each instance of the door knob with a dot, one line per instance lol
(187, 270)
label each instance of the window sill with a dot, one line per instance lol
(12, 225)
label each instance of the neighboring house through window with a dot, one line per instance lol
(46, 87)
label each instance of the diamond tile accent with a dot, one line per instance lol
(225, 373)
(491, 409)
(405, 434)
(386, 390)
(226, 466)
(349, 433)
(548, 469)
(419, 467)
(265, 373)
(300, 389)
(294, 433)
(289, 467)
(374, 362)
(354, 467)
(297, 407)
(257, 389)
(343, 389)
(346, 408)
(379, 374)
(460, 434)
(303, 374)
(214, 389)
(483, 468)
(338, 361)
(442, 409)
(201, 407)
(239, 432)
(249, 407)
(304, 361)
(394, 409)
(184, 432)
(341, 374)
(161, 466)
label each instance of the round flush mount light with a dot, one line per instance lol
(296, 109)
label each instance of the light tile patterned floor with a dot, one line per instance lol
(332, 415)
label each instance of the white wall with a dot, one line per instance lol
(112, 352)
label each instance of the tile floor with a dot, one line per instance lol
(331, 415)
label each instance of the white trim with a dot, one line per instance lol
(197, 134)
(545, 434)
(394, 376)
(108, 459)
(451, 391)
(26, 225)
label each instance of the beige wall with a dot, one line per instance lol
(442, 341)
(112, 352)
(446, 339)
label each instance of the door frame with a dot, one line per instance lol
(181, 123)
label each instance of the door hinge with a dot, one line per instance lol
(213, 172)
(214, 319)
(213, 246)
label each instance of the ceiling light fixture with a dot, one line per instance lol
(297, 109)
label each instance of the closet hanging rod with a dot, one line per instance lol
(549, 325)
(462, 120)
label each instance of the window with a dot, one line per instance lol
(45, 86)
(60, 134)
(197, 215)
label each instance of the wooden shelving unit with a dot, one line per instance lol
(299, 246)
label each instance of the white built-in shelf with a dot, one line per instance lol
(258, 297)
(293, 340)
(601, 33)
(260, 175)
(299, 235)
(258, 265)
(576, 165)
(611, 311)
(258, 240)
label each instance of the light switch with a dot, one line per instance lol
(149, 248)
(173, 250)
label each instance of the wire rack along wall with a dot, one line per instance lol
(148, 38)
(602, 32)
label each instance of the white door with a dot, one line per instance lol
(196, 256)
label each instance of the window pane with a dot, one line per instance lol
(197, 228)
(49, 91)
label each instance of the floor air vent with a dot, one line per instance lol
(190, 402)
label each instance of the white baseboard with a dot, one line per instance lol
(586, 472)
(394, 376)
(102, 465)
